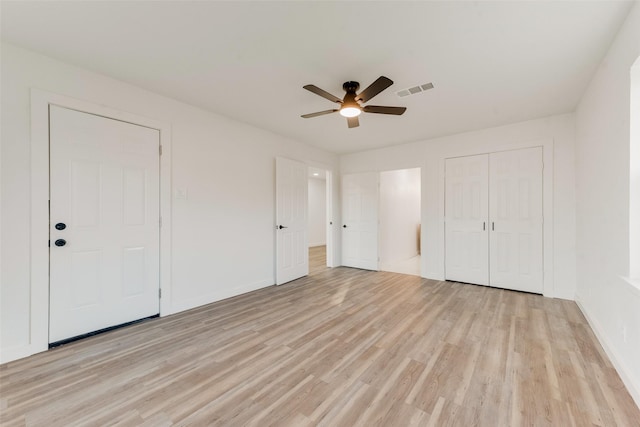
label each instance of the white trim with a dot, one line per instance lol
(547, 201)
(333, 251)
(634, 170)
(14, 353)
(329, 222)
(633, 285)
(621, 368)
(39, 266)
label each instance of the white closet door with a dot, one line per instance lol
(292, 204)
(104, 215)
(466, 227)
(516, 219)
(360, 220)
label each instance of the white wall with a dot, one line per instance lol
(317, 212)
(429, 155)
(634, 173)
(611, 303)
(222, 234)
(399, 214)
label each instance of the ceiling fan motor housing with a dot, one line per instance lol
(349, 100)
(351, 87)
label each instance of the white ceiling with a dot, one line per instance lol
(492, 63)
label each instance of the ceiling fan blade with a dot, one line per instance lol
(319, 113)
(374, 88)
(397, 111)
(322, 93)
(353, 122)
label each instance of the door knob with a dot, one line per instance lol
(61, 226)
(60, 242)
(344, 226)
(281, 227)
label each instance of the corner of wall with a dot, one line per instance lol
(619, 362)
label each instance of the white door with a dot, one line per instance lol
(466, 219)
(292, 246)
(360, 220)
(516, 219)
(104, 223)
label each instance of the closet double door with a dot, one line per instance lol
(493, 219)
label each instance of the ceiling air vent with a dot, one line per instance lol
(413, 90)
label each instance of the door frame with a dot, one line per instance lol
(420, 169)
(329, 219)
(39, 283)
(547, 202)
(333, 252)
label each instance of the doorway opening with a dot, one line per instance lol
(320, 221)
(400, 218)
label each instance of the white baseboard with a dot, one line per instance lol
(179, 306)
(617, 361)
(19, 352)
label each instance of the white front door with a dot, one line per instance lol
(292, 246)
(104, 223)
(516, 219)
(466, 222)
(360, 220)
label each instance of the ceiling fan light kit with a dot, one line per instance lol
(351, 104)
(350, 111)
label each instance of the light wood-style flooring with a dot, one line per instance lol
(341, 347)
(317, 260)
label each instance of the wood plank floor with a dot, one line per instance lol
(342, 347)
(317, 260)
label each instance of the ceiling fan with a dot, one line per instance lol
(351, 105)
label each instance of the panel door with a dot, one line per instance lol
(360, 220)
(516, 254)
(104, 223)
(292, 240)
(466, 219)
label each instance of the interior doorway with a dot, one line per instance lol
(400, 221)
(320, 219)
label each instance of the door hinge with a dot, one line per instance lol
(159, 293)
(160, 221)
(160, 149)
